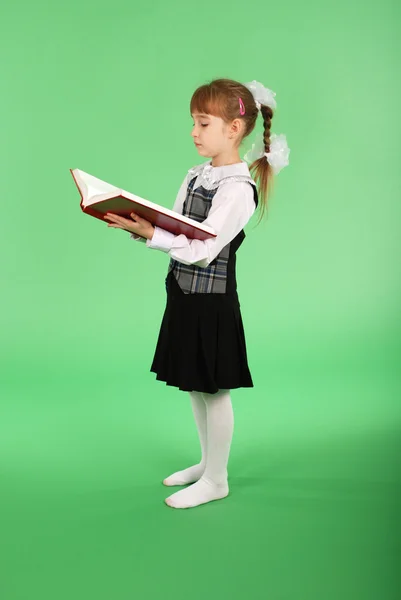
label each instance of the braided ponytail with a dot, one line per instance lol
(261, 170)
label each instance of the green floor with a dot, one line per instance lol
(313, 510)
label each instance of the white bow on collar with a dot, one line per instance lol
(209, 178)
(205, 176)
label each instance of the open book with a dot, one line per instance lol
(99, 198)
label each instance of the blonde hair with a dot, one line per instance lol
(220, 98)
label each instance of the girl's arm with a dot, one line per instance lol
(179, 201)
(232, 207)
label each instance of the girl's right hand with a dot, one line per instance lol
(139, 226)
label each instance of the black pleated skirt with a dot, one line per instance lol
(201, 344)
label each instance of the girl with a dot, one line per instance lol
(201, 346)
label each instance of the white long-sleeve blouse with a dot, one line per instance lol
(232, 206)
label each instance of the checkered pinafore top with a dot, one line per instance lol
(219, 276)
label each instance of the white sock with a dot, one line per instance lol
(213, 484)
(195, 472)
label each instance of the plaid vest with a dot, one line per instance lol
(219, 276)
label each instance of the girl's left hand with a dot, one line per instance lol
(136, 224)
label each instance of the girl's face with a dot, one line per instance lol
(212, 136)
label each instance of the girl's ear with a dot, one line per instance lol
(236, 125)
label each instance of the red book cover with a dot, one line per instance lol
(99, 197)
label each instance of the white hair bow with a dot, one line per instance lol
(261, 94)
(278, 155)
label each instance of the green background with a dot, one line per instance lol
(86, 432)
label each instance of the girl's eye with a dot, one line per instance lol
(203, 124)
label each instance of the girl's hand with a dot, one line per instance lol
(136, 225)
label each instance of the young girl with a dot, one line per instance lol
(201, 346)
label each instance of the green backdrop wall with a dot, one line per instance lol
(86, 432)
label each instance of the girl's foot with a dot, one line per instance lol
(189, 475)
(200, 492)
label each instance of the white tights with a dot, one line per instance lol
(214, 419)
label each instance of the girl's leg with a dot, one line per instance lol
(195, 472)
(220, 427)
(213, 484)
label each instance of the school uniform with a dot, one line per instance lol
(201, 343)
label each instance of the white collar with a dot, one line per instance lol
(209, 177)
